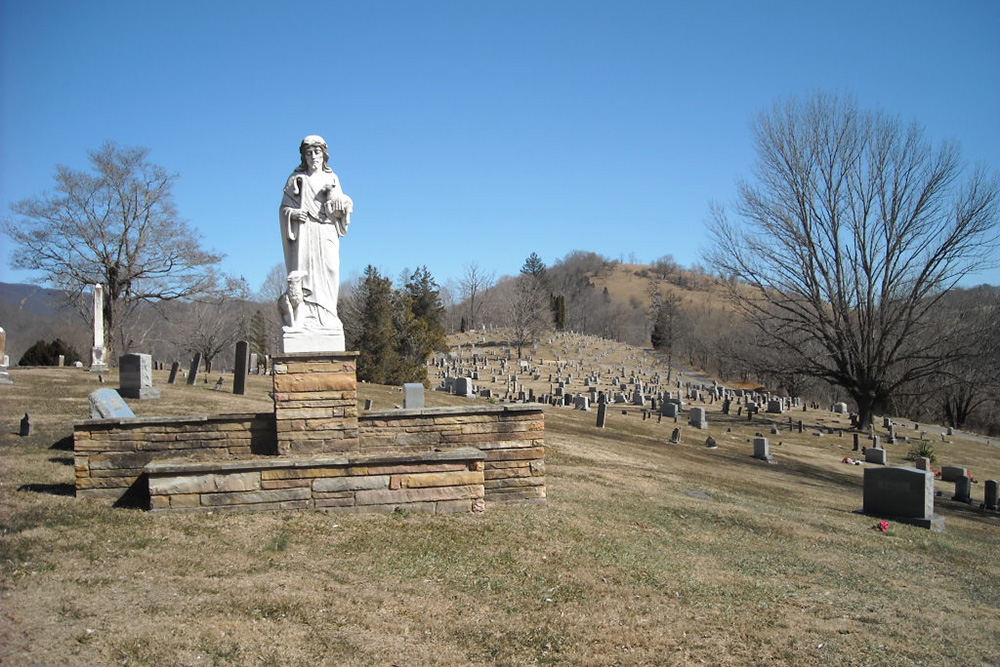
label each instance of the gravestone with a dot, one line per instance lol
(923, 463)
(669, 409)
(195, 367)
(602, 414)
(135, 376)
(463, 387)
(368, 404)
(27, 426)
(840, 408)
(254, 363)
(98, 362)
(901, 493)
(241, 367)
(876, 455)
(775, 407)
(413, 396)
(675, 436)
(952, 473)
(218, 384)
(762, 449)
(582, 403)
(963, 489)
(990, 500)
(174, 367)
(697, 418)
(4, 373)
(108, 404)
(711, 443)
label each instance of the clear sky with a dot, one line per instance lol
(470, 131)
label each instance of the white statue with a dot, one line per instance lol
(314, 214)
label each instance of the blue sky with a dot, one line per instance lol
(470, 131)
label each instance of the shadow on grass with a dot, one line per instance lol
(137, 496)
(51, 489)
(63, 444)
(65, 460)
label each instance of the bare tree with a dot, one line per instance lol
(474, 283)
(212, 327)
(115, 225)
(852, 230)
(527, 310)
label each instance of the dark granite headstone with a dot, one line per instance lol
(195, 367)
(27, 426)
(242, 367)
(903, 493)
(135, 376)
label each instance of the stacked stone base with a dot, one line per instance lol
(316, 403)
(437, 483)
(317, 452)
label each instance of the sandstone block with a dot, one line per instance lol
(253, 497)
(422, 480)
(301, 473)
(315, 382)
(454, 506)
(518, 454)
(387, 497)
(185, 500)
(351, 483)
(209, 483)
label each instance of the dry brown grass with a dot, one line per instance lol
(647, 553)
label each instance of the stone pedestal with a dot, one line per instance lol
(330, 341)
(315, 403)
(98, 359)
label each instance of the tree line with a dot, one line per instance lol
(841, 258)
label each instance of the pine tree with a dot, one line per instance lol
(258, 333)
(378, 359)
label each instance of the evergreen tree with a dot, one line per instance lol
(534, 266)
(559, 312)
(378, 359)
(258, 333)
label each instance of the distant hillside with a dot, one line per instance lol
(29, 313)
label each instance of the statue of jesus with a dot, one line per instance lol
(314, 214)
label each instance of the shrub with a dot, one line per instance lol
(47, 354)
(921, 449)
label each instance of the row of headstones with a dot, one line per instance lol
(908, 494)
(135, 372)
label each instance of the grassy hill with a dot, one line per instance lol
(646, 553)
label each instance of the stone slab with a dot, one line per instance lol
(108, 404)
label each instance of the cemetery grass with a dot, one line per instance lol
(646, 553)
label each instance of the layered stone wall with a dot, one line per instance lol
(110, 454)
(438, 482)
(148, 461)
(512, 436)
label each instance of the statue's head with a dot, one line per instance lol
(312, 141)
